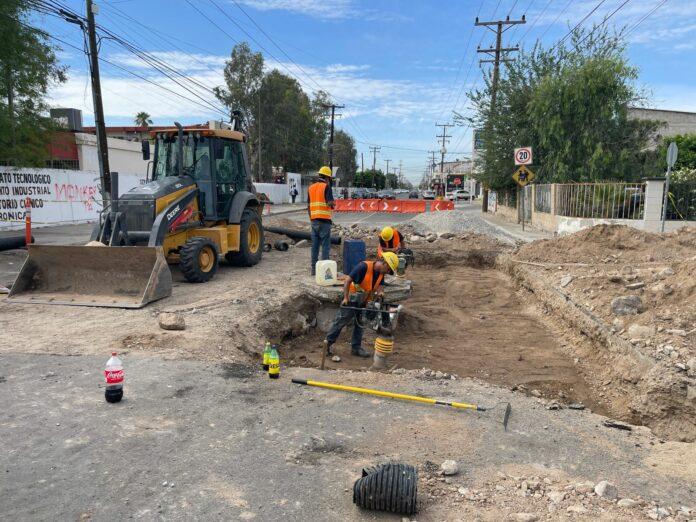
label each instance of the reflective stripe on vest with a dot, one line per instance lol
(318, 207)
(368, 284)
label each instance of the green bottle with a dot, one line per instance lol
(274, 364)
(266, 355)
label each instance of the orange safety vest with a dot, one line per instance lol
(394, 242)
(369, 283)
(318, 207)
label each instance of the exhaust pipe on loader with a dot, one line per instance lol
(121, 277)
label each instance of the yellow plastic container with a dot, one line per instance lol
(327, 272)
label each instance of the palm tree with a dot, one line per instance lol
(142, 119)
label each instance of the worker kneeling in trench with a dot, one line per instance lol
(364, 282)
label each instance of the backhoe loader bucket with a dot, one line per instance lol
(119, 277)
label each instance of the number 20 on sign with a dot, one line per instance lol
(523, 156)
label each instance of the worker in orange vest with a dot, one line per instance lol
(321, 202)
(363, 283)
(390, 240)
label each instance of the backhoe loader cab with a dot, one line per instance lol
(199, 204)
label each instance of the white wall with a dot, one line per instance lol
(58, 196)
(125, 157)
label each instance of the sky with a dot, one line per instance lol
(398, 66)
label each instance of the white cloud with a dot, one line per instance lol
(341, 68)
(331, 9)
(175, 59)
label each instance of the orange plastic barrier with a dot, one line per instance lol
(344, 205)
(412, 207)
(439, 205)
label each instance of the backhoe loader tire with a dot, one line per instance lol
(250, 240)
(198, 259)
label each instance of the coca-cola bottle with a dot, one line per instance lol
(113, 375)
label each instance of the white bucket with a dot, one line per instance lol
(327, 272)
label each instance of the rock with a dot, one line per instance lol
(535, 393)
(577, 508)
(680, 333)
(627, 305)
(615, 278)
(446, 235)
(171, 321)
(635, 286)
(584, 487)
(449, 467)
(566, 280)
(526, 517)
(414, 239)
(639, 331)
(302, 243)
(430, 238)
(607, 490)
(665, 272)
(690, 392)
(627, 503)
(554, 406)
(556, 496)
(616, 424)
(336, 358)
(657, 513)
(576, 406)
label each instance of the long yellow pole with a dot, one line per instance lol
(380, 393)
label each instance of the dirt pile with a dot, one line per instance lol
(639, 291)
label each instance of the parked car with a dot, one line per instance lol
(413, 194)
(371, 193)
(386, 194)
(457, 195)
(359, 193)
(428, 194)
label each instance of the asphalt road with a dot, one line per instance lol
(195, 440)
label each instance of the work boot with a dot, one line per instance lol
(359, 352)
(329, 351)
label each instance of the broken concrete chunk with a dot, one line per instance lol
(446, 235)
(566, 280)
(171, 321)
(639, 331)
(658, 513)
(627, 305)
(635, 286)
(616, 424)
(526, 517)
(606, 490)
(556, 496)
(430, 238)
(449, 467)
(336, 358)
(627, 503)
(302, 243)
(576, 406)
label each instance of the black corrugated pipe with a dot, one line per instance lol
(12, 242)
(388, 487)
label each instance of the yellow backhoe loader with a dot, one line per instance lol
(199, 204)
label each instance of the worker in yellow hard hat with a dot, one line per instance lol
(321, 202)
(390, 240)
(361, 285)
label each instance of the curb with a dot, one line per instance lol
(513, 235)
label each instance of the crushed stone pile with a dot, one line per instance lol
(455, 222)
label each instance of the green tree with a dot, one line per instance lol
(28, 67)
(570, 105)
(686, 158)
(142, 119)
(243, 76)
(391, 180)
(345, 156)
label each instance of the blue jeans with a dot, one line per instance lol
(343, 318)
(321, 237)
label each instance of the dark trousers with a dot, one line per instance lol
(343, 318)
(293, 198)
(321, 237)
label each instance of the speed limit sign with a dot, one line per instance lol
(523, 156)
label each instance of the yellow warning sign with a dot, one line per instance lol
(523, 176)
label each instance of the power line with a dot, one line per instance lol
(645, 16)
(578, 24)
(549, 26)
(604, 21)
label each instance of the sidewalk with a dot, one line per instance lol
(514, 230)
(286, 208)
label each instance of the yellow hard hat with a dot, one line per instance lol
(387, 233)
(392, 260)
(325, 171)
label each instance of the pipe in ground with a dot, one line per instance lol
(298, 234)
(12, 242)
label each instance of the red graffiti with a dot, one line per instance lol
(70, 192)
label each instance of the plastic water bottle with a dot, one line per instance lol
(113, 375)
(266, 355)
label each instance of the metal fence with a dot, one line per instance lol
(542, 198)
(681, 204)
(601, 200)
(508, 198)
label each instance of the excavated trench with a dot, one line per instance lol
(463, 318)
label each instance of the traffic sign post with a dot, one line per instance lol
(522, 176)
(523, 156)
(672, 152)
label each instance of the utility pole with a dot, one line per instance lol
(259, 125)
(333, 108)
(386, 178)
(445, 139)
(374, 150)
(362, 163)
(431, 167)
(399, 179)
(497, 58)
(102, 147)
